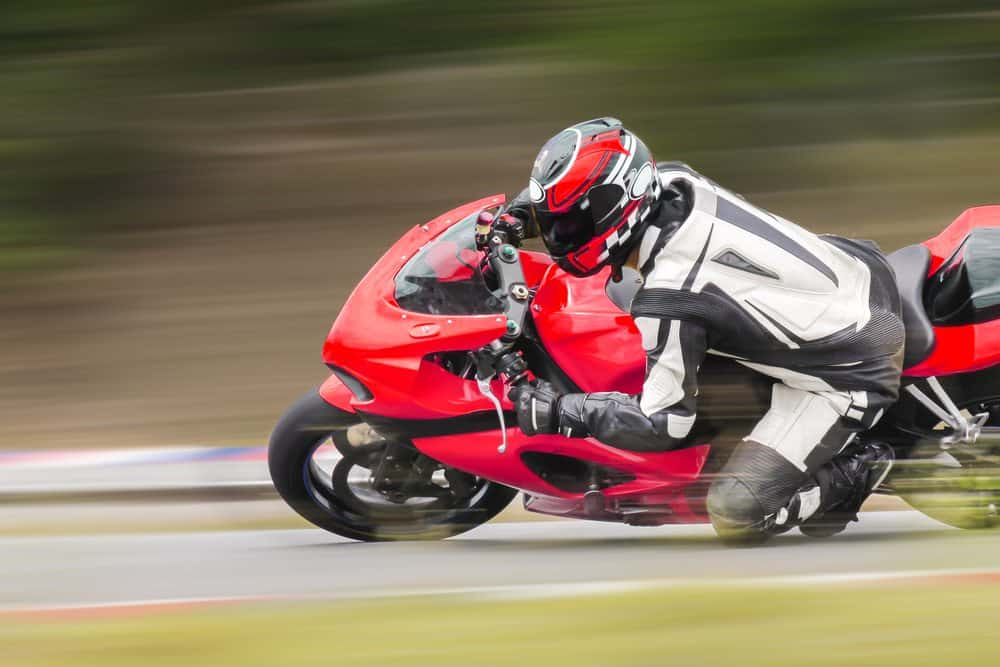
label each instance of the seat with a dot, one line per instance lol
(910, 265)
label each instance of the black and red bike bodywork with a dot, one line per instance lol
(423, 351)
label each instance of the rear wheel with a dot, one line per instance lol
(959, 486)
(342, 477)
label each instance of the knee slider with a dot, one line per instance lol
(733, 506)
(754, 484)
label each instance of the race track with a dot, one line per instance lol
(67, 571)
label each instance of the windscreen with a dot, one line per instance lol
(443, 278)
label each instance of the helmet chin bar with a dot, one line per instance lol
(962, 429)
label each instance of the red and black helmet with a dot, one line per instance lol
(592, 189)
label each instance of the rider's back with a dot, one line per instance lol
(766, 289)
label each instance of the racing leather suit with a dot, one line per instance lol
(820, 314)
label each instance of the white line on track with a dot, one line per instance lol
(527, 591)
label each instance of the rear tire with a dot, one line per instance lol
(960, 488)
(306, 426)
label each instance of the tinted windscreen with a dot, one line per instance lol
(443, 278)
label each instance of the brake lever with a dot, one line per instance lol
(498, 360)
(484, 388)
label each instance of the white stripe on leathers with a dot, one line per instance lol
(664, 383)
(802, 300)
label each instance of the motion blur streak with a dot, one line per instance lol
(190, 189)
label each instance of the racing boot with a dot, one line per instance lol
(844, 484)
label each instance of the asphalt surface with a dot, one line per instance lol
(41, 571)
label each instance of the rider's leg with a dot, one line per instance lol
(833, 496)
(771, 473)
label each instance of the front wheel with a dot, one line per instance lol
(374, 490)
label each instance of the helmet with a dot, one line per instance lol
(592, 190)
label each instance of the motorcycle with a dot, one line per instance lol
(412, 435)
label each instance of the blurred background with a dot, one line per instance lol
(189, 190)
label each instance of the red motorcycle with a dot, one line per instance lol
(412, 436)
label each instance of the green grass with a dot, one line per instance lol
(883, 626)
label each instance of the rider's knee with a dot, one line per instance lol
(753, 486)
(737, 515)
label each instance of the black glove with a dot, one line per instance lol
(537, 407)
(511, 226)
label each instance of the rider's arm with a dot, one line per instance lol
(520, 208)
(661, 417)
(515, 221)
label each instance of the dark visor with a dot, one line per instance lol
(564, 233)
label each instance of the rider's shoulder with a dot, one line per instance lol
(677, 168)
(681, 171)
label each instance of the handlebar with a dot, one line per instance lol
(500, 359)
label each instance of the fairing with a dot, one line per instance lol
(385, 347)
(596, 343)
(663, 474)
(968, 347)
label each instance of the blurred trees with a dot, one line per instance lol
(82, 81)
(212, 177)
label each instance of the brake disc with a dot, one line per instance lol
(389, 485)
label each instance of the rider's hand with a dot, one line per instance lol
(537, 407)
(509, 225)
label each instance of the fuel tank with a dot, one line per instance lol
(590, 337)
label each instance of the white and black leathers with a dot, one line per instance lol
(721, 276)
(819, 314)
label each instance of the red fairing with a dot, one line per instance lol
(968, 347)
(660, 477)
(945, 243)
(384, 346)
(336, 394)
(592, 340)
(386, 349)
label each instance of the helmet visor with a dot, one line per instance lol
(566, 232)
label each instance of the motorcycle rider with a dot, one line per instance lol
(818, 314)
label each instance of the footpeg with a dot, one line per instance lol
(962, 429)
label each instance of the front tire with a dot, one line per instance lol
(327, 500)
